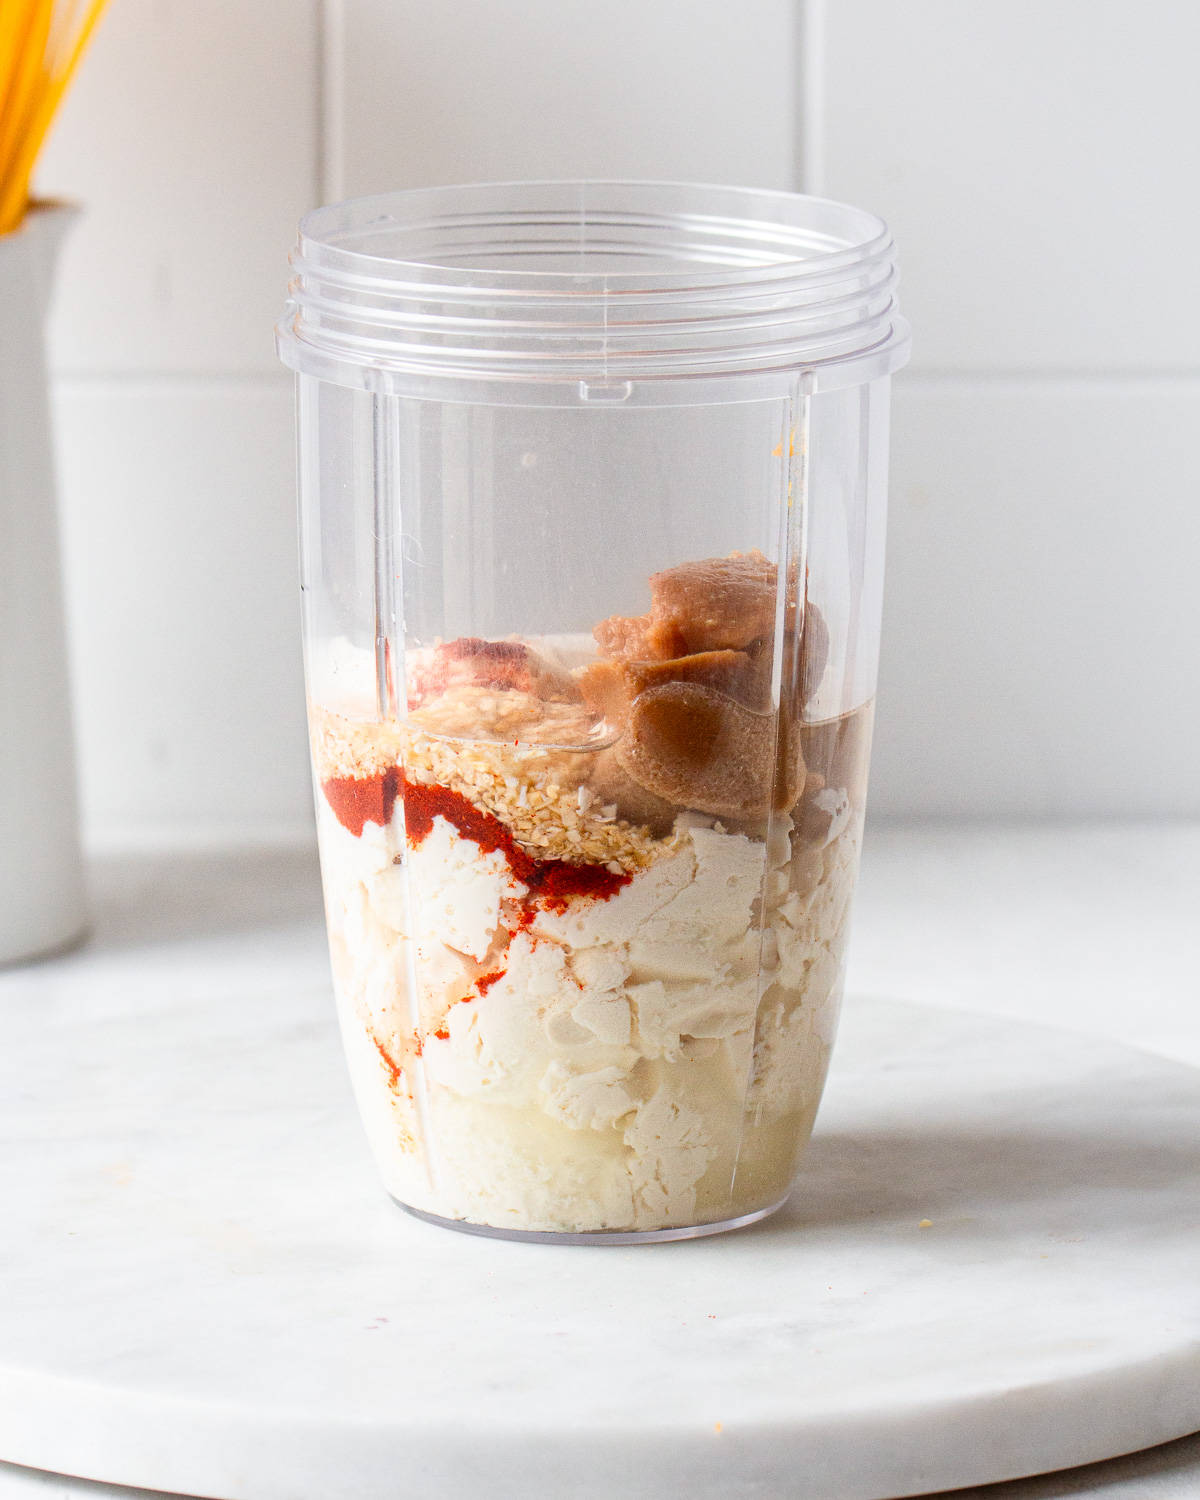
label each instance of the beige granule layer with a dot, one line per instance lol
(351, 747)
(535, 784)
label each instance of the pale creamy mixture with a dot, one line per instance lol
(571, 1001)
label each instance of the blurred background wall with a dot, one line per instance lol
(1037, 162)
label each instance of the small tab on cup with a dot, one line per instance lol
(595, 390)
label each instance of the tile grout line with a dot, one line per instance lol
(331, 101)
(810, 106)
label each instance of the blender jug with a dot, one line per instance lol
(592, 486)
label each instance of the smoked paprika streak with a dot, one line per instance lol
(358, 800)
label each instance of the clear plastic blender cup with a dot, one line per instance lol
(592, 481)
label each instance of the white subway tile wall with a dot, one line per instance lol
(191, 140)
(179, 512)
(1041, 622)
(1040, 625)
(463, 91)
(1037, 164)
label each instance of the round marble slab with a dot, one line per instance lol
(987, 1269)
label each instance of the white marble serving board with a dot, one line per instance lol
(206, 1292)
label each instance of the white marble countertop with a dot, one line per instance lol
(1088, 927)
(1084, 928)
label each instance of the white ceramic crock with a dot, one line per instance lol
(41, 874)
